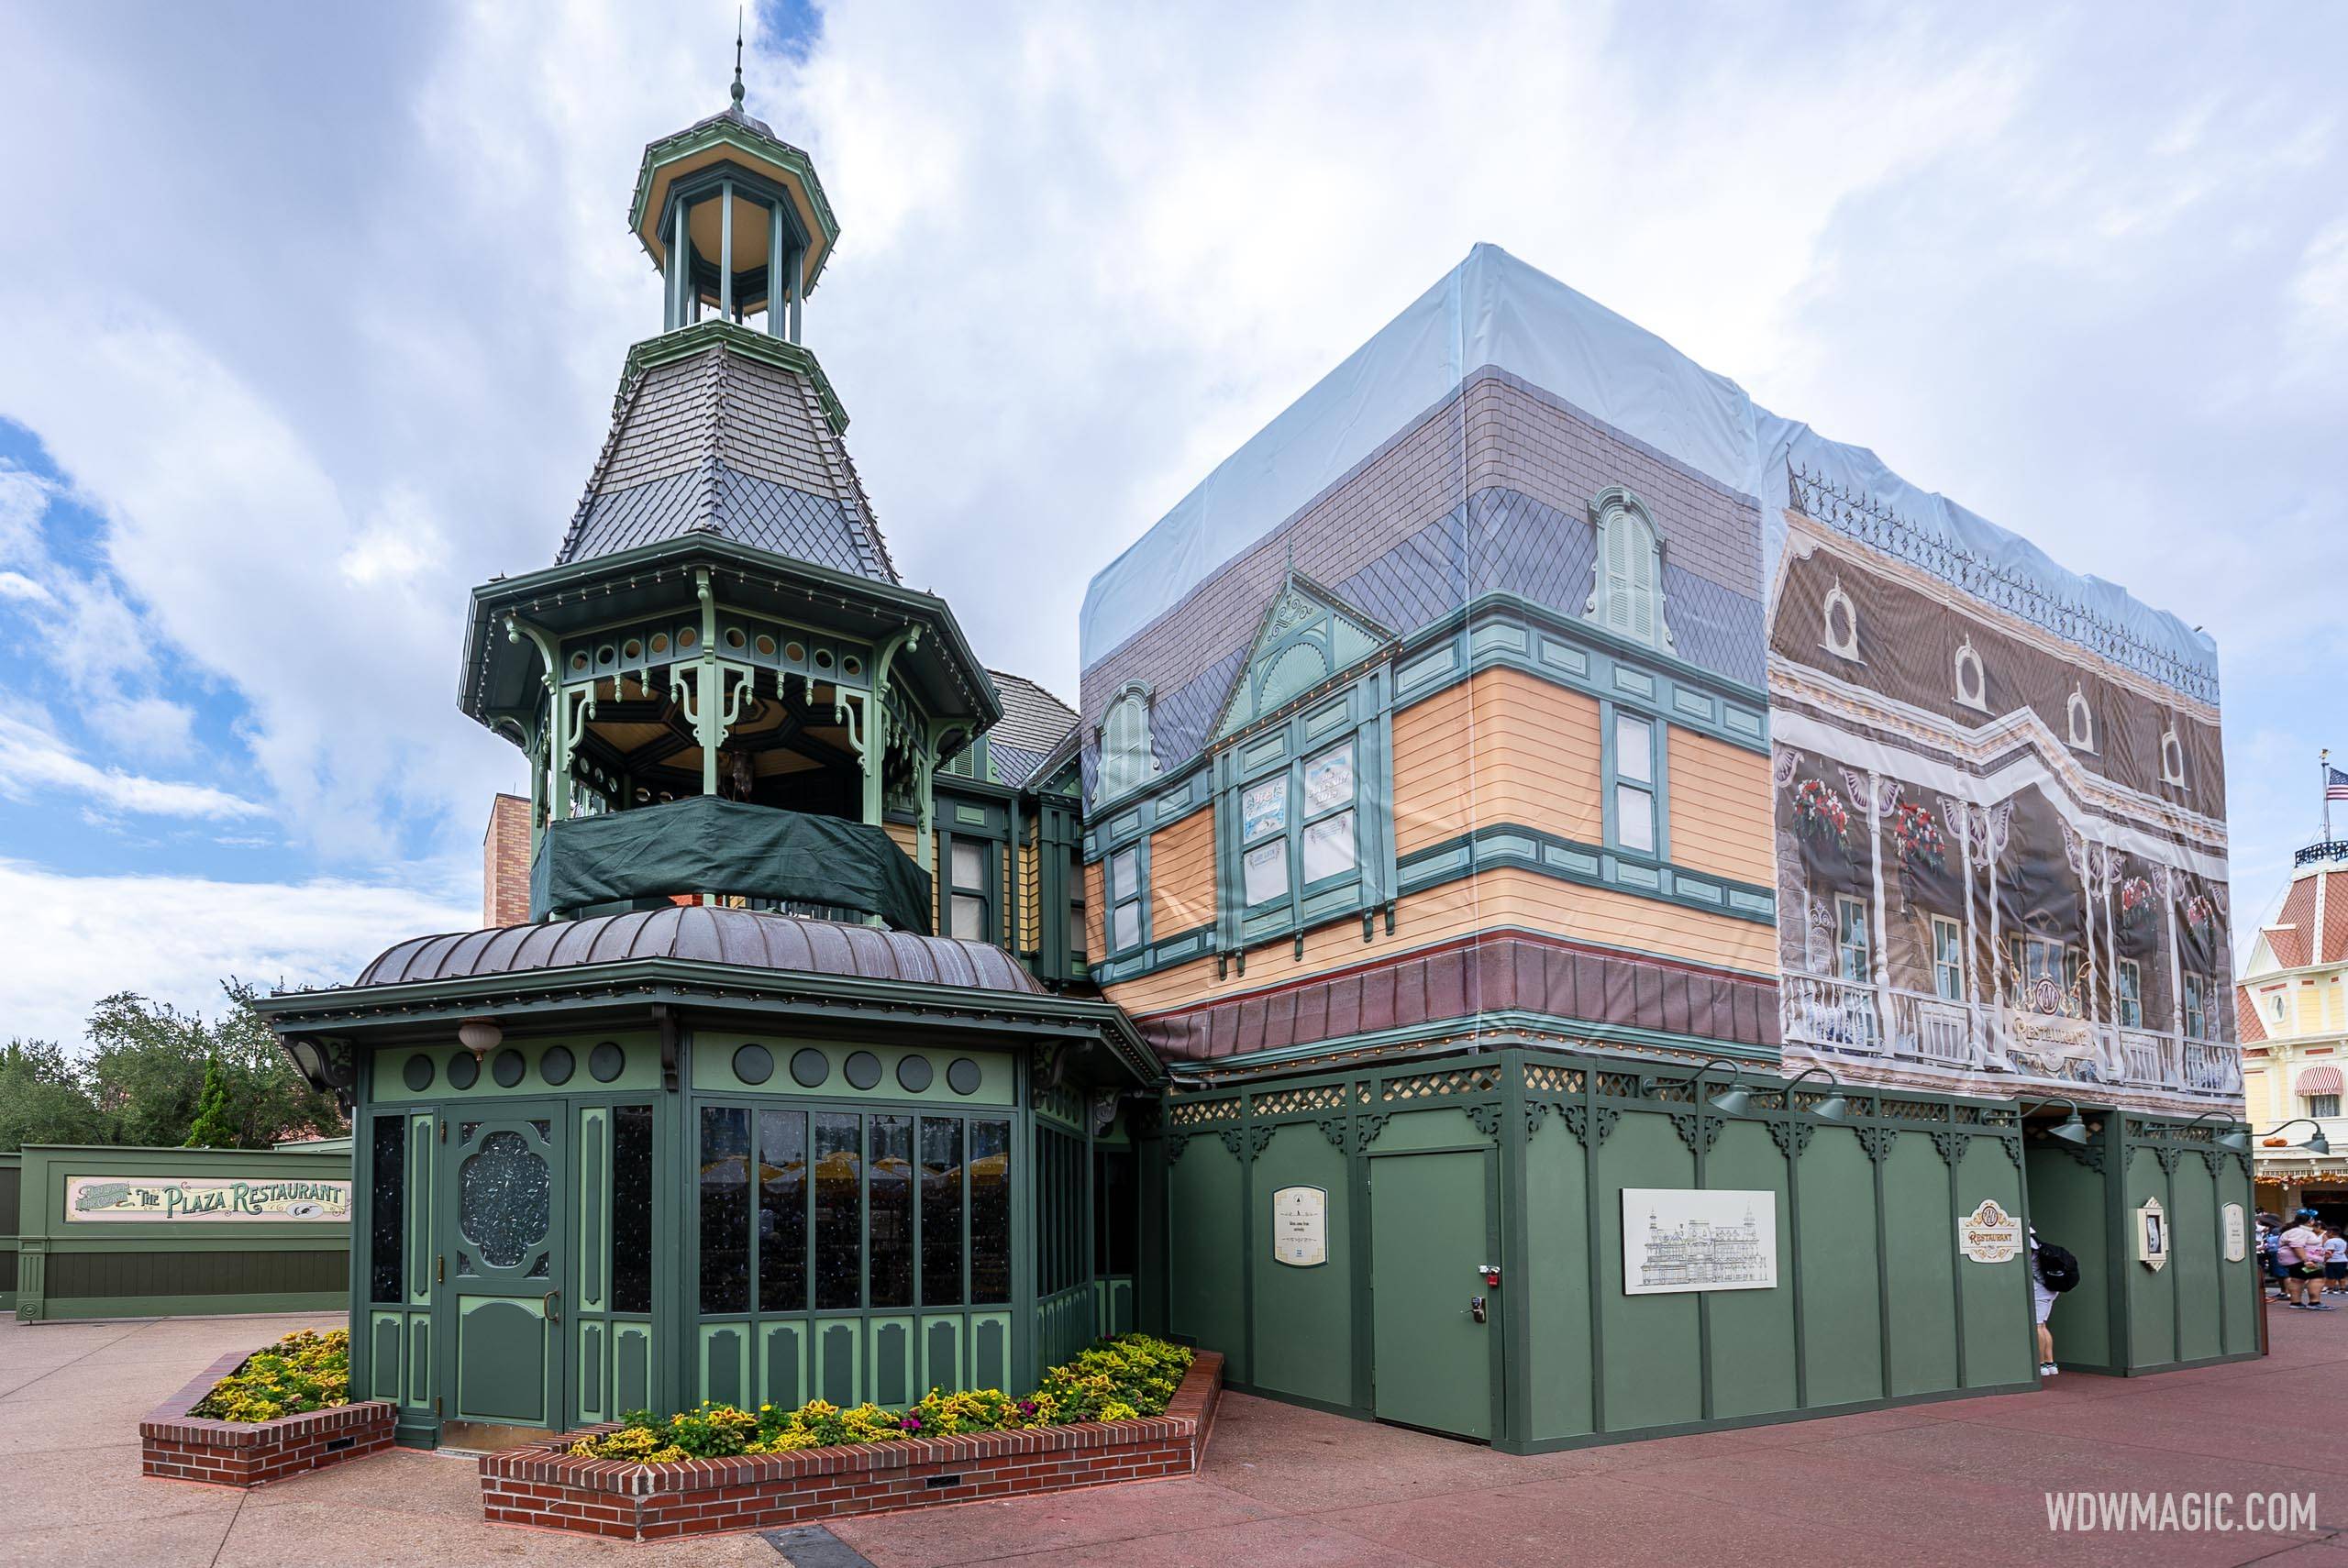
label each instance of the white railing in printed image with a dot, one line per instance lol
(1837, 1014)
(2212, 1067)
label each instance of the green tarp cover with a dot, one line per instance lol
(710, 845)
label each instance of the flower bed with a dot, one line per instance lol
(567, 1485)
(255, 1417)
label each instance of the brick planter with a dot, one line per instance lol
(179, 1447)
(538, 1484)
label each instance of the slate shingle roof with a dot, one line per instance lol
(1034, 723)
(725, 443)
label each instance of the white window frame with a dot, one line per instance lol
(1128, 757)
(2172, 758)
(959, 893)
(1851, 914)
(2197, 1007)
(2081, 721)
(1948, 973)
(2317, 1109)
(1642, 783)
(1968, 659)
(1130, 891)
(1842, 642)
(2128, 992)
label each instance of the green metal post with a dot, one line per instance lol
(708, 699)
(726, 250)
(774, 270)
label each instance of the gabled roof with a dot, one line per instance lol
(2294, 936)
(712, 434)
(1334, 634)
(2249, 1028)
(1034, 723)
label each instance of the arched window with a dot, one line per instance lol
(2172, 758)
(1626, 588)
(1127, 760)
(1972, 681)
(1840, 633)
(2082, 722)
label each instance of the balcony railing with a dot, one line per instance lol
(1853, 1016)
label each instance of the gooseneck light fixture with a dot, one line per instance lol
(2317, 1142)
(1733, 1100)
(1833, 1108)
(2233, 1140)
(2071, 1129)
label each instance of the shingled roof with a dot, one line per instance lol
(1033, 722)
(722, 442)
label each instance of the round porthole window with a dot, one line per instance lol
(822, 658)
(914, 1074)
(606, 1062)
(508, 1068)
(754, 1064)
(853, 666)
(607, 656)
(734, 638)
(557, 1066)
(464, 1070)
(417, 1073)
(795, 653)
(659, 642)
(963, 1075)
(863, 1069)
(809, 1067)
(687, 636)
(765, 647)
(633, 649)
(579, 661)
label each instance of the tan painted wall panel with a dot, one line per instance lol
(1720, 808)
(1181, 875)
(1503, 746)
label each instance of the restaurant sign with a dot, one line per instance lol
(204, 1199)
(1990, 1234)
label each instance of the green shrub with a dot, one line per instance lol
(1116, 1379)
(304, 1371)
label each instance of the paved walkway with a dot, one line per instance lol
(1954, 1483)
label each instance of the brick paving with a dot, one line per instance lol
(1958, 1482)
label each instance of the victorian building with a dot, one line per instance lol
(2292, 1006)
(1526, 791)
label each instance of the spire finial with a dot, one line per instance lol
(737, 57)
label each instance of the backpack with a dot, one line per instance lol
(2057, 1269)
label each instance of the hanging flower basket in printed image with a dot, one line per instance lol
(1918, 839)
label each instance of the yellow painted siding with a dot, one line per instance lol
(1501, 747)
(1181, 875)
(1505, 897)
(1720, 808)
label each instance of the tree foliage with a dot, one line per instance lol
(151, 1070)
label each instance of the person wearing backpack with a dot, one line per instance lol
(2298, 1252)
(2053, 1271)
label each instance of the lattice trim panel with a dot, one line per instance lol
(1437, 1086)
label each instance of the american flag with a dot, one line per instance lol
(2335, 784)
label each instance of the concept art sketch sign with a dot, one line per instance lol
(1990, 1234)
(205, 1201)
(1678, 1239)
(1301, 1226)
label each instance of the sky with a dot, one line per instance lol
(311, 318)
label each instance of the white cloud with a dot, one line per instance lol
(176, 938)
(32, 759)
(2319, 288)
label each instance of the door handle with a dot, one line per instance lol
(1476, 1308)
(553, 1307)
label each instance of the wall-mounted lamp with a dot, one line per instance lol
(1732, 1100)
(2317, 1142)
(2233, 1140)
(1833, 1108)
(479, 1035)
(2071, 1129)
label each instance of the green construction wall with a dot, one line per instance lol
(61, 1268)
(1875, 1304)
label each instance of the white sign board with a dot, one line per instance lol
(1301, 1226)
(1990, 1234)
(2152, 1234)
(1676, 1240)
(179, 1200)
(2237, 1233)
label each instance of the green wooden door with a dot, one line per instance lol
(1430, 1236)
(501, 1231)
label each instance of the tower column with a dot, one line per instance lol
(726, 250)
(776, 300)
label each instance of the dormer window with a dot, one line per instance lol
(2082, 722)
(1626, 590)
(2172, 758)
(1972, 680)
(1840, 634)
(1127, 759)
